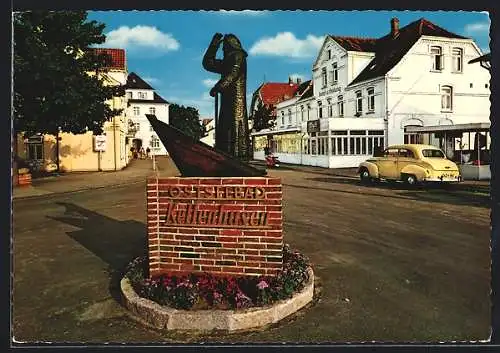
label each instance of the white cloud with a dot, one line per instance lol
(287, 45)
(477, 28)
(480, 27)
(242, 13)
(141, 37)
(204, 103)
(298, 76)
(209, 82)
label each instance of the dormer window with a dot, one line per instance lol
(437, 58)
(142, 95)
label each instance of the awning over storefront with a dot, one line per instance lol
(450, 128)
(275, 132)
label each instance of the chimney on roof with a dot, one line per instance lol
(394, 27)
(299, 80)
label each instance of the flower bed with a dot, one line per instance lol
(206, 291)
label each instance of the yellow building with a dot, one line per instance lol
(77, 152)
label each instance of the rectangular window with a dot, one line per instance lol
(335, 75)
(330, 108)
(35, 151)
(155, 142)
(308, 112)
(371, 99)
(320, 110)
(359, 102)
(437, 58)
(137, 111)
(137, 126)
(142, 95)
(447, 98)
(152, 110)
(282, 118)
(340, 105)
(323, 77)
(129, 95)
(457, 55)
(289, 117)
(302, 113)
(329, 54)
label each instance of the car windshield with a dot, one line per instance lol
(432, 153)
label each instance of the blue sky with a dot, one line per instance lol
(166, 47)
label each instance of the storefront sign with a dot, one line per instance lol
(313, 126)
(330, 91)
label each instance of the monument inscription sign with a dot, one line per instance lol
(218, 225)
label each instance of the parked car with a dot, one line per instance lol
(412, 163)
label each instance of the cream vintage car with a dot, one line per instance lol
(410, 163)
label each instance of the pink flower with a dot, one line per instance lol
(262, 284)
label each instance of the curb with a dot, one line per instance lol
(161, 317)
(112, 186)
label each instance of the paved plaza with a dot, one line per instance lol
(393, 264)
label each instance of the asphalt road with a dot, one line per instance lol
(392, 264)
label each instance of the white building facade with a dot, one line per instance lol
(367, 91)
(142, 100)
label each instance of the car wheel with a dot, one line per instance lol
(364, 176)
(411, 179)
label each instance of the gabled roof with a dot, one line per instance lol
(205, 122)
(302, 87)
(134, 81)
(356, 43)
(272, 93)
(308, 92)
(156, 99)
(118, 60)
(389, 51)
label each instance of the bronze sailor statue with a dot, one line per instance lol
(231, 130)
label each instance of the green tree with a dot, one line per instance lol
(53, 90)
(262, 118)
(52, 86)
(186, 119)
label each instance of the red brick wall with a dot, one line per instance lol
(216, 225)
